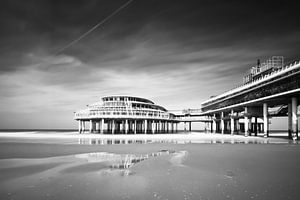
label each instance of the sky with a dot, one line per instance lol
(176, 53)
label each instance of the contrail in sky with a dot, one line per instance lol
(93, 28)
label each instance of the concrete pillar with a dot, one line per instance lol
(102, 126)
(167, 126)
(122, 126)
(232, 123)
(214, 124)
(266, 120)
(222, 123)
(190, 126)
(91, 126)
(159, 126)
(250, 126)
(153, 127)
(184, 126)
(290, 121)
(97, 127)
(126, 126)
(134, 127)
(237, 125)
(79, 126)
(255, 127)
(83, 126)
(113, 126)
(145, 126)
(246, 122)
(294, 118)
(208, 126)
(176, 126)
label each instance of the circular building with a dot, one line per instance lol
(126, 114)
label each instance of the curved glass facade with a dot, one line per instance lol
(123, 107)
(125, 114)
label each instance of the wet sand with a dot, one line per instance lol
(67, 169)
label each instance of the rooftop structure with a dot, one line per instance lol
(125, 114)
(261, 69)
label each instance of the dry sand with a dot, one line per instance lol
(193, 166)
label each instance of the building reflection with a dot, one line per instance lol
(120, 161)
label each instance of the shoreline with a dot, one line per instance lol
(181, 136)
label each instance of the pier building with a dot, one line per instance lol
(269, 90)
(125, 114)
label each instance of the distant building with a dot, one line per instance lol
(126, 114)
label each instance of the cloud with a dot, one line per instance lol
(174, 53)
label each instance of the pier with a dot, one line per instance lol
(271, 89)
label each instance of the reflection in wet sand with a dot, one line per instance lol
(178, 158)
(123, 161)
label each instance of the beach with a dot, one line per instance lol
(37, 165)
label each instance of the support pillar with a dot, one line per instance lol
(184, 126)
(167, 127)
(145, 126)
(190, 126)
(113, 126)
(290, 121)
(126, 126)
(246, 122)
(153, 127)
(208, 127)
(102, 126)
(159, 126)
(122, 126)
(232, 123)
(214, 124)
(135, 126)
(91, 126)
(250, 126)
(83, 126)
(294, 118)
(266, 120)
(79, 126)
(97, 129)
(222, 123)
(94, 126)
(255, 127)
(237, 125)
